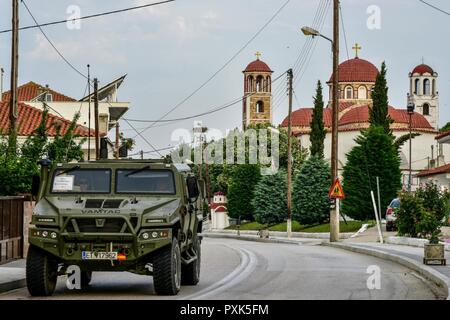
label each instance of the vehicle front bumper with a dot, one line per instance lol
(68, 247)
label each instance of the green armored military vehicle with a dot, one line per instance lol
(116, 215)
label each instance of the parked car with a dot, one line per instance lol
(390, 214)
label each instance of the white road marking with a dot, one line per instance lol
(241, 272)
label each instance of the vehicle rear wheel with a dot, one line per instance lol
(167, 270)
(41, 273)
(190, 273)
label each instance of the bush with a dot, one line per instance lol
(409, 214)
(422, 214)
(310, 197)
(270, 200)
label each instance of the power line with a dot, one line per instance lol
(343, 29)
(434, 7)
(143, 138)
(51, 43)
(223, 67)
(224, 106)
(89, 16)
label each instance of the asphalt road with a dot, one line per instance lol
(237, 270)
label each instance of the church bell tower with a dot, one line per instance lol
(257, 100)
(424, 94)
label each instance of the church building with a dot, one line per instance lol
(356, 81)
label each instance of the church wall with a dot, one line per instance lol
(421, 147)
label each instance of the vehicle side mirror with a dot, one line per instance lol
(35, 183)
(192, 187)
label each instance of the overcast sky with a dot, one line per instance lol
(170, 50)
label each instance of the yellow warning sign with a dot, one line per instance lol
(336, 190)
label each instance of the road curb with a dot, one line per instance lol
(12, 285)
(249, 238)
(428, 273)
(305, 235)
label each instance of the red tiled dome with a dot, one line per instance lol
(357, 70)
(423, 68)
(257, 66)
(361, 115)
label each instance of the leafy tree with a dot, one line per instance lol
(310, 197)
(318, 132)
(241, 190)
(379, 113)
(270, 202)
(63, 148)
(445, 128)
(374, 155)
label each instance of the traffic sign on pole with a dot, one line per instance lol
(336, 190)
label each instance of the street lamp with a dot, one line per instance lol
(410, 110)
(307, 31)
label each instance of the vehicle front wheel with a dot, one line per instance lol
(190, 273)
(41, 273)
(167, 270)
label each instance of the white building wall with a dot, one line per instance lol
(421, 149)
(442, 180)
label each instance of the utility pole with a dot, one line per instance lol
(97, 133)
(142, 154)
(13, 104)
(289, 159)
(117, 139)
(334, 213)
(89, 112)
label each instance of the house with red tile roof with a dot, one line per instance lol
(357, 78)
(34, 97)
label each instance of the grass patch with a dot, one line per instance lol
(350, 226)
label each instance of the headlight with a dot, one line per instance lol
(45, 234)
(145, 235)
(53, 235)
(154, 234)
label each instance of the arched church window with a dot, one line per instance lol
(259, 107)
(348, 92)
(250, 84)
(362, 92)
(259, 84)
(426, 87)
(417, 86)
(426, 109)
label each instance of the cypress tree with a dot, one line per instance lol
(241, 190)
(379, 113)
(318, 132)
(310, 197)
(270, 200)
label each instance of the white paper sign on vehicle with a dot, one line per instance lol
(63, 183)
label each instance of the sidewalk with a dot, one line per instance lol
(406, 255)
(12, 275)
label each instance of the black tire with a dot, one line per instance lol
(86, 277)
(41, 273)
(167, 270)
(190, 273)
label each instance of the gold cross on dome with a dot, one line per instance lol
(356, 47)
(258, 54)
